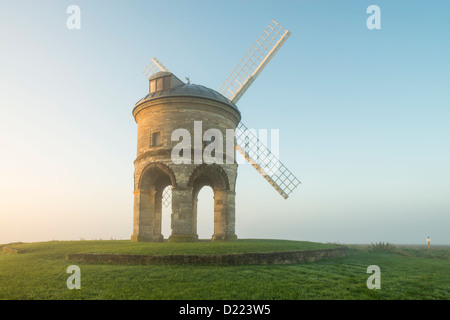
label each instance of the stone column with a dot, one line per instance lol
(144, 216)
(182, 220)
(158, 214)
(194, 216)
(220, 217)
(224, 215)
(231, 216)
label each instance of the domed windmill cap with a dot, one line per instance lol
(164, 84)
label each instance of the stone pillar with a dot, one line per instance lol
(224, 215)
(194, 216)
(231, 216)
(182, 220)
(220, 217)
(144, 228)
(158, 213)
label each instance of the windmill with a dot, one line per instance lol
(237, 83)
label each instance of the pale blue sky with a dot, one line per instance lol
(364, 115)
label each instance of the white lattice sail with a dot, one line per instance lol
(265, 162)
(153, 67)
(254, 61)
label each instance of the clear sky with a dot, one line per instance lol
(364, 115)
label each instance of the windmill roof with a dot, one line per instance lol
(160, 74)
(190, 90)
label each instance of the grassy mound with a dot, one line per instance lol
(39, 271)
(57, 249)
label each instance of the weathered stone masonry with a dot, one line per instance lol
(157, 116)
(256, 258)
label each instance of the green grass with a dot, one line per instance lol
(60, 248)
(39, 272)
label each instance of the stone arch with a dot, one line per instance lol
(155, 168)
(212, 174)
(153, 179)
(215, 177)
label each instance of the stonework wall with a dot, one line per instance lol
(8, 249)
(154, 168)
(260, 258)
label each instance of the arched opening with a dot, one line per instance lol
(205, 213)
(148, 202)
(166, 229)
(222, 211)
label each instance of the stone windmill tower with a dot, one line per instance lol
(202, 119)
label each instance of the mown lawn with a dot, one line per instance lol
(39, 272)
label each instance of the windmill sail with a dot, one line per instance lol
(153, 67)
(265, 162)
(167, 196)
(237, 83)
(242, 77)
(254, 61)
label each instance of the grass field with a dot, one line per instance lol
(38, 271)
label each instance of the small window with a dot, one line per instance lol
(159, 84)
(207, 143)
(152, 86)
(167, 82)
(156, 139)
